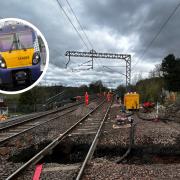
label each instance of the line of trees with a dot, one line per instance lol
(170, 68)
(33, 99)
(165, 76)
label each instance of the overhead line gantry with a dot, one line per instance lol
(93, 54)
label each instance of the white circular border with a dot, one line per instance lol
(47, 55)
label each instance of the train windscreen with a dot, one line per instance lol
(25, 40)
(7, 42)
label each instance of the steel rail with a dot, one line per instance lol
(52, 145)
(34, 126)
(28, 129)
(39, 116)
(93, 145)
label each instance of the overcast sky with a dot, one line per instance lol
(120, 26)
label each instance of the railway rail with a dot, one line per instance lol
(89, 122)
(93, 145)
(13, 130)
(20, 129)
(11, 123)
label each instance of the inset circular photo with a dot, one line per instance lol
(24, 56)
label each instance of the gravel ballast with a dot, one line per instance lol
(155, 153)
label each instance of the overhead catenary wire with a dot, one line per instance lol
(82, 29)
(107, 67)
(69, 19)
(158, 33)
(80, 25)
(96, 61)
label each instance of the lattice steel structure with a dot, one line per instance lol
(93, 54)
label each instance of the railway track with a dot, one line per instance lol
(13, 130)
(93, 145)
(11, 123)
(90, 123)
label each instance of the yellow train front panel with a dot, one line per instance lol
(18, 58)
(131, 101)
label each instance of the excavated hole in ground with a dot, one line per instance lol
(27, 153)
(141, 155)
(69, 152)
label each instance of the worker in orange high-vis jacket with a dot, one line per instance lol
(86, 98)
(108, 97)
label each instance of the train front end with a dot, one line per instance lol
(19, 60)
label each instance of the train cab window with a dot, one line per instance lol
(8, 42)
(25, 40)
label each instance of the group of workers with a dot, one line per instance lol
(107, 95)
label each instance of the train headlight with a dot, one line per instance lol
(36, 59)
(2, 63)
